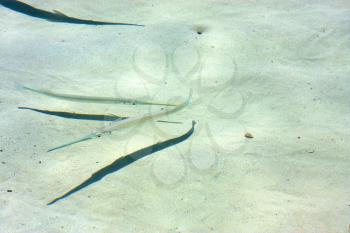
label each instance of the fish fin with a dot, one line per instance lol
(59, 13)
(119, 117)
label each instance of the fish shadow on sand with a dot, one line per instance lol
(55, 16)
(125, 161)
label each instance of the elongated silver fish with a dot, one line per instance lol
(115, 125)
(94, 99)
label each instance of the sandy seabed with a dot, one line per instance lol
(278, 70)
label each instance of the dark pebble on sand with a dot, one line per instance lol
(248, 135)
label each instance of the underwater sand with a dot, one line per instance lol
(278, 70)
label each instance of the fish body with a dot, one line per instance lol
(117, 124)
(93, 99)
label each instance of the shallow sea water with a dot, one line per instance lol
(270, 98)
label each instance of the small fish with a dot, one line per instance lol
(125, 161)
(55, 16)
(93, 99)
(117, 124)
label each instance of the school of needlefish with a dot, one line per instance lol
(57, 16)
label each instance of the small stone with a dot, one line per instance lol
(248, 135)
(9, 191)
